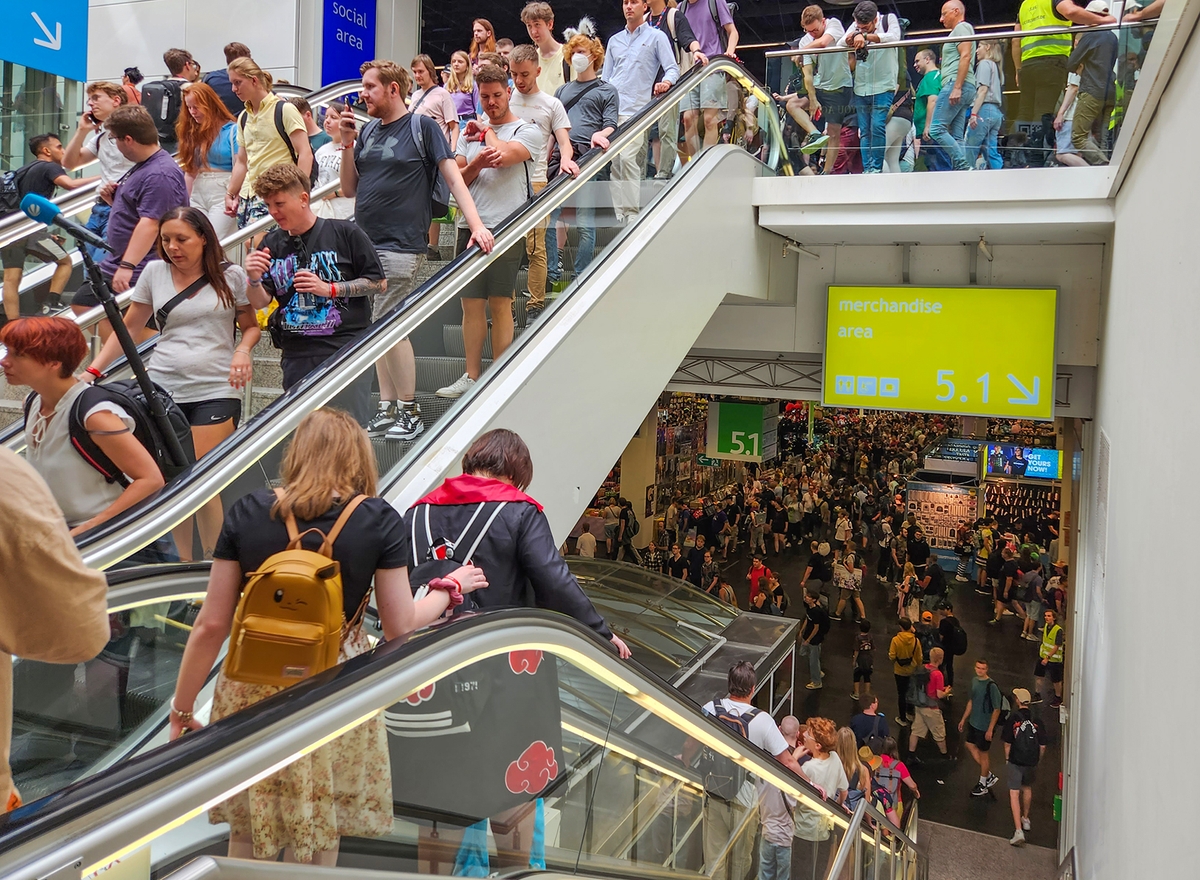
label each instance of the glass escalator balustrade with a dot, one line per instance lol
(582, 214)
(508, 741)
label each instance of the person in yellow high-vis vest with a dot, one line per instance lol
(1050, 657)
(1041, 59)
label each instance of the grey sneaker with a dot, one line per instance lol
(464, 384)
(813, 142)
(408, 424)
(384, 418)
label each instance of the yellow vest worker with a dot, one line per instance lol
(1041, 67)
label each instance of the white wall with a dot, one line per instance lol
(125, 33)
(1134, 638)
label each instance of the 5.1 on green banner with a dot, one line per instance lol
(738, 431)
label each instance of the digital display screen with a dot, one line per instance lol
(1005, 460)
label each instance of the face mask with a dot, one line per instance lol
(580, 62)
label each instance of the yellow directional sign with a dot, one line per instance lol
(964, 350)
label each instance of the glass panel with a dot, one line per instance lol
(577, 231)
(70, 720)
(1028, 127)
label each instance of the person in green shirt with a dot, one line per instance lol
(927, 92)
(979, 723)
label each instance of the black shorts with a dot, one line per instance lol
(212, 412)
(44, 248)
(837, 107)
(863, 674)
(497, 280)
(977, 738)
(1055, 671)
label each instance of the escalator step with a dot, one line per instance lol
(452, 339)
(437, 372)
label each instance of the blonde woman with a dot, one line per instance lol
(907, 590)
(858, 775)
(260, 145)
(344, 787)
(462, 88)
(986, 119)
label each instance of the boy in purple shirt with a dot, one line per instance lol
(711, 95)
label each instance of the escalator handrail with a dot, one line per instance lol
(17, 226)
(112, 541)
(134, 801)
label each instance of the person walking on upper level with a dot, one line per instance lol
(1040, 60)
(496, 160)
(958, 86)
(634, 58)
(93, 142)
(876, 75)
(1094, 58)
(390, 176)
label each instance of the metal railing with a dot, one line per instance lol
(869, 826)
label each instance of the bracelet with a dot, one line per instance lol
(242, 351)
(93, 371)
(332, 290)
(254, 282)
(184, 717)
(452, 588)
(125, 264)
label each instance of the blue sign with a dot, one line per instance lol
(51, 37)
(348, 39)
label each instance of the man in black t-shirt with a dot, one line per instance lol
(1005, 593)
(933, 585)
(321, 273)
(384, 171)
(812, 634)
(40, 176)
(918, 550)
(677, 564)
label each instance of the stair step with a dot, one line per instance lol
(437, 372)
(452, 340)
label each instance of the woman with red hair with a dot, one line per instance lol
(44, 354)
(207, 135)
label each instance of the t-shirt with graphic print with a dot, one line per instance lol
(336, 251)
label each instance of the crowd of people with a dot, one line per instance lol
(862, 107)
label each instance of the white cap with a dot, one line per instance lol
(1098, 6)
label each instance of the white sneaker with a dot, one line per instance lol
(1025, 823)
(1018, 838)
(464, 384)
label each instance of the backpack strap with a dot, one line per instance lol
(295, 536)
(419, 557)
(279, 127)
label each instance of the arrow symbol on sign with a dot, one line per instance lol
(1030, 398)
(53, 41)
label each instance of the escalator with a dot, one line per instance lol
(622, 322)
(514, 739)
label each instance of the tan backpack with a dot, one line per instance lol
(290, 621)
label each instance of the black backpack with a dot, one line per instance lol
(128, 394)
(1025, 749)
(164, 99)
(441, 555)
(10, 190)
(313, 172)
(956, 644)
(874, 741)
(723, 779)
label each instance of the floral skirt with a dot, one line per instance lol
(342, 789)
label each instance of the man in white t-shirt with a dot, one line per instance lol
(92, 142)
(496, 159)
(586, 542)
(545, 111)
(723, 819)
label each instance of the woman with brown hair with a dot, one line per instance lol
(344, 787)
(483, 39)
(207, 135)
(198, 358)
(514, 545)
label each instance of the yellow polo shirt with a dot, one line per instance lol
(260, 139)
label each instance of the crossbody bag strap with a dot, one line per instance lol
(161, 315)
(582, 92)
